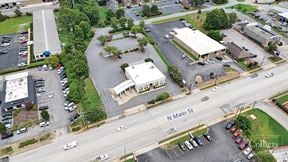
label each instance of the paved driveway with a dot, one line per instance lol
(106, 73)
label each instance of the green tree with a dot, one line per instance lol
(53, 61)
(176, 74)
(120, 13)
(216, 19)
(142, 43)
(198, 2)
(154, 10)
(94, 115)
(103, 39)
(2, 128)
(45, 115)
(112, 50)
(142, 24)
(75, 91)
(109, 16)
(92, 13)
(135, 29)
(114, 24)
(244, 124)
(122, 22)
(146, 10)
(18, 13)
(86, 28)
(130, 23)
(220, 1)
(272, 47)
(232, 17)
(215, 34)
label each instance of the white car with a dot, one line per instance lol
(122, 127)
(188, 145)
(247, 151)
(250, 156)
(268, 75)
(171, 130)
(167, 36)
(70, 145)
(8, 126)
(44, 124)
(22, 130)
(5, 44)
(102, 157)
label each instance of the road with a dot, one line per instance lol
(150, 126)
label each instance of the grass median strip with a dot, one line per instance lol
(27, 142)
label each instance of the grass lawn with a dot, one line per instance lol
(15, 25)
(245, 67)
(197, 20)
(282, 99)
(244, 8)
(102, 13)
(189, 54)
(266, 128)
(275, 59)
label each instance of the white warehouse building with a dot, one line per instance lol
(199, 44)
(143, 76)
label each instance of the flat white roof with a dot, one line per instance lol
(196, 40)
(16, 87)
(144, 73)
(123, 86)
(285, 15)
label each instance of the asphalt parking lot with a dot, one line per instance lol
(209, 152)
(113, 75)
(54, 99)
(12, 57)
(174, 55)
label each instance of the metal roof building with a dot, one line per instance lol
(45, 34)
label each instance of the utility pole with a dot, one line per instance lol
(262, 61)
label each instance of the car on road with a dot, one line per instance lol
(254, 75)
(122, 127)
(22, 130)
(70, 145)
(102, 157)
(207, 136)
(269, 75)
(247, 151)
(182, 146)
(44, 124)
(204, 98)
(7, 135)
(188, 145)
(171, 130)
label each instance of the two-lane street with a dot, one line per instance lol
(150, 126)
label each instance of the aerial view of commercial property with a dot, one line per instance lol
(144, 80)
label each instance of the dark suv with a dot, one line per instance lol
(7, 135)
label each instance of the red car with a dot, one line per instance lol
(233, 129)
(243, 144)
(236, 133)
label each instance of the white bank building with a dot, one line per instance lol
(142, 76)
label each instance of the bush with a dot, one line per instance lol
(18, 13)
(28, 14)
(123, 66)
(149, 60)
(74, 129)
(45, 115)
(7, 150)
(244, 124)
(162, 96)
(44, 137)
(151, 102)
(27, 142)
(215, 34)
(176, 74)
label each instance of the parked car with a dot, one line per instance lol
(6, 114)
(6, 118)
(102, 157)
(7, 135)
(44, 124)
(238, 139)
(236, 133)
(22, 130)
(247, 151)
(7, 121)
(73, 117)
(44, 107)
(207, 136)
(199, 141)
(182, 146)
(194, 143)
(188, 145)
(230, 124)
(3, 52)
(243, 144)
(250, 156)
(233, 129)
(70, 145)
(219, 58)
